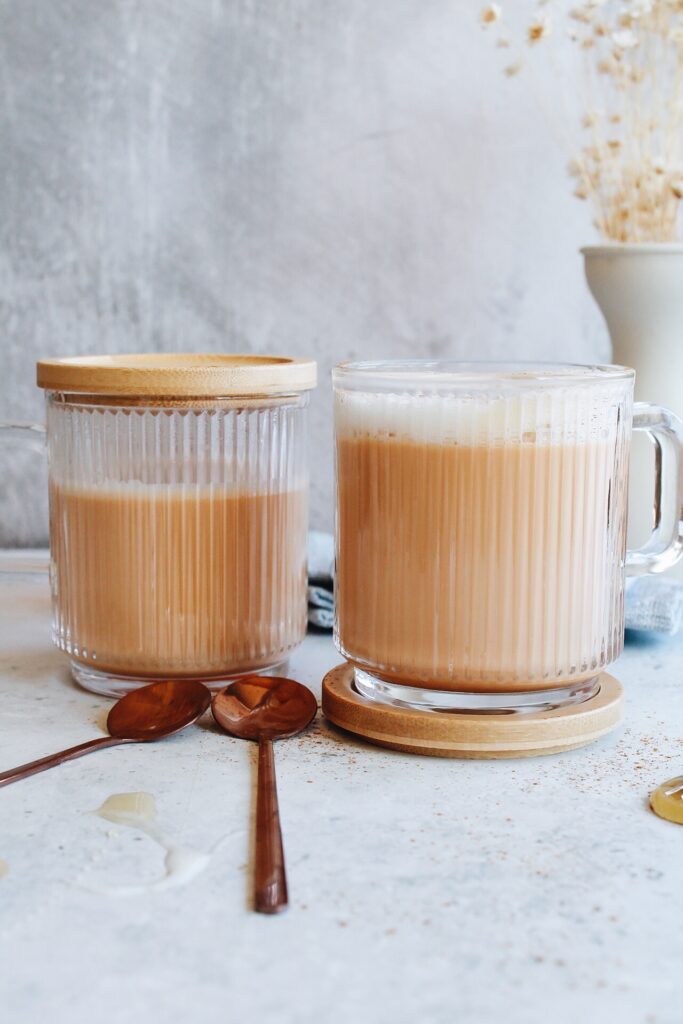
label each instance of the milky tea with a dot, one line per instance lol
(178, 514)
(180, 580)
(480, 538)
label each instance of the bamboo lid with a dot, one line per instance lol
(189, 376)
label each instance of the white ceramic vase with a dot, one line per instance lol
(639, 288)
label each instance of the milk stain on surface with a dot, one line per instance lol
(667, 800)
(139, 811)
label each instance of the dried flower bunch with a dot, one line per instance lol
(631, 164)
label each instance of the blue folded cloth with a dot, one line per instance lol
(320, 607)
(652, 603)
(320, 580)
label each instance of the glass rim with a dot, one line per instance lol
(79, 402)
(366, 374)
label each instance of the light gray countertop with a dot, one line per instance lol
(421, 889)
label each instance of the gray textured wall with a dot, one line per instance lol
(333, 177)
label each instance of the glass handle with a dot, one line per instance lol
(28, 435)
(665, 545)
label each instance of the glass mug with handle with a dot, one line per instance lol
(481, 524)
(178, 491)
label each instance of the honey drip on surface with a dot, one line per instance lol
(667, 800)
(138, 810)
(134, 809)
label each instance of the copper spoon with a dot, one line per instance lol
(266, 708)
(149, 713)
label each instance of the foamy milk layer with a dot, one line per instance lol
(535, 417)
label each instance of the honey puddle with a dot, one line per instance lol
(139, 811)
(667, 800)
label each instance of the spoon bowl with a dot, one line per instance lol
(269, 707)
(157, 710)
(266, 708)
(150, 713)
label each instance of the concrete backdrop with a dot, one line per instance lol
(328, 177)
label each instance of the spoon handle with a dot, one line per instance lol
(33, 767)
(270, 880)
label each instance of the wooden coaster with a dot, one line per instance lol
(449, 734)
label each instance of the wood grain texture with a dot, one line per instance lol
(183, 374)
(471, 735)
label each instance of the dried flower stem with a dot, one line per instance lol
(631, 166)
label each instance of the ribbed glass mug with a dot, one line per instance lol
(480, 531)
(178, 514)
